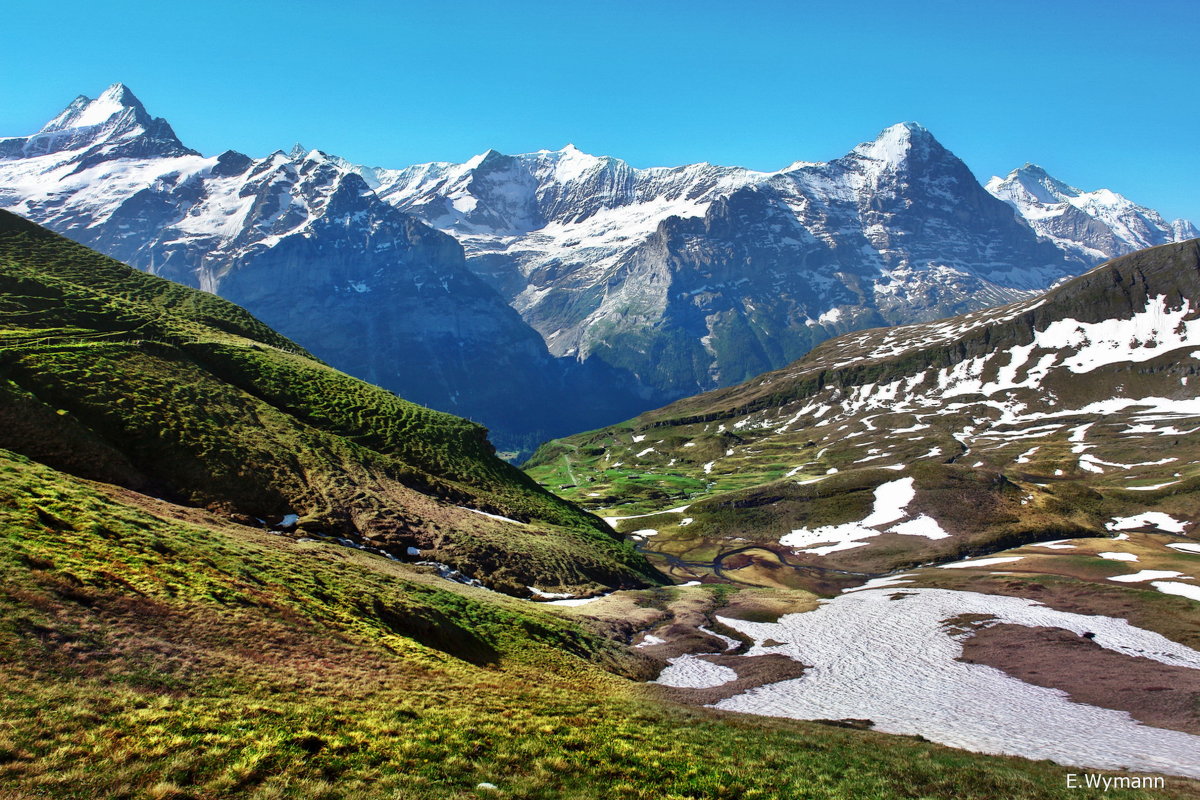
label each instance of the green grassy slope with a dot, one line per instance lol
(806, 446)
(149, 657)
(119, 376)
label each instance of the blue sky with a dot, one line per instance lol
(1099, 92)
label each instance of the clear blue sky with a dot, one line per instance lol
(1099, 92)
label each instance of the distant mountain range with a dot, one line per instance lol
(556, 291)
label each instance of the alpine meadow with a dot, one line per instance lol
(453, 466)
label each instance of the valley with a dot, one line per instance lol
(954, 558)
(931, 496)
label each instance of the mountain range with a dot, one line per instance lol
(556, 291)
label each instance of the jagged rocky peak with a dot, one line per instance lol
(1095, 225)
(899, 143)
(114, 125)
(83, 112)
(1032, 183)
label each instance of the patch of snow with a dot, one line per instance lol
(924, 525)
(1182, 589)
(1185, 547)
(575, 601)
(981, 562)
(1118, 556)
(1155, 519)
(879, 583)
(649, 640)
(730, 642)
(691, 671)
(1146, 575)
(491, 516)
(909, 681)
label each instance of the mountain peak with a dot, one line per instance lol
(83, 112)
(1037, 182)
(121, 95)
(895, 143)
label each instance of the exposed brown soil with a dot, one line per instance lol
(1152, 692)
(1089, 597)
(752, 672)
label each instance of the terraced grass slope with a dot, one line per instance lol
(118, 376)
(890, 448)
(158, 651)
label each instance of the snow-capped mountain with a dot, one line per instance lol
(1095, 226)
(594, 287)
(698, 276)
(303, 242)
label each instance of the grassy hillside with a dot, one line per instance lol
(1037, 421)
(118, 376)
(157, 651)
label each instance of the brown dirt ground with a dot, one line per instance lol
(1152, 692)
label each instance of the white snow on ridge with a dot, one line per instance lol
(909, 681)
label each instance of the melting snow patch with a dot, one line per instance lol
(981, 562)
(1185, 547)
(1146, 575)
(909, 681)
(693, 672)
(730, 642)
(1061, 544)
(879, 583)
(923, 525)
(1118, 556)
(891, 501)
(1182, 589)
(549, 595)
(492, 516)
(575, 601)
(1151, 488)
(645, 532)
(686, 521)
(649, 640)
(1157, 519)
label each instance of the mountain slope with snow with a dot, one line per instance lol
(1037, 420)
(699, 276)
(303, 242)
(1094, 225)
(551, 291)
